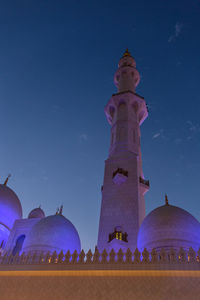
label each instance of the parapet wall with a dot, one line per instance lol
(171, 259)
(160, 275)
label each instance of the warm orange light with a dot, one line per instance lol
(103, 273)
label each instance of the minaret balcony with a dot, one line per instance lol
(118, 235)
(120, 176)
(144, 184)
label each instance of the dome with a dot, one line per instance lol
(10, 207)
(36, 213)
(168, 227)
(53, 233)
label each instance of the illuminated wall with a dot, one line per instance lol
(94, 284)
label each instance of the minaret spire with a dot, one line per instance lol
(166, 200)
(126, 53)
(123, 205)
(6, 181)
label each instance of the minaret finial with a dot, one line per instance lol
(126, 53)
(61, 210)
(166, 200)
(6, 181)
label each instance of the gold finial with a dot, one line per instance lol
(166, 200)
(6, 181)
(126, 53)
(61, 210)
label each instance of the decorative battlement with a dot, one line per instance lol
(146, 258)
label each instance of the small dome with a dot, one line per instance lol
(10, 207)
(53, 233)
(36, 213)
(168, 227)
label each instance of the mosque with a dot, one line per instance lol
(123, 224)
(137, 256)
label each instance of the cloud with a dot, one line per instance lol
(55, 107)
(156, 135)
(193, 127)
(159, 134)
(177, 32)
(178, 141)
(189, 138)
(83, 137)
(179, 63)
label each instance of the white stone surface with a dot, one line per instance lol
(10, 206)
(21, 227)
(53, 233)
(168, 227)
(123, 205)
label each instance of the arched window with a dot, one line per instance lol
(122, 112)
(18, 245)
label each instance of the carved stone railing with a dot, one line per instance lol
(149, 258)
(144, 181)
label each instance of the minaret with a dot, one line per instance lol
(124, 186)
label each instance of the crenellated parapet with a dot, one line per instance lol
(128, 259)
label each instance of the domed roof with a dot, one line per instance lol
(53, 233)
(10, 206)
(167, 227)
(36, 213)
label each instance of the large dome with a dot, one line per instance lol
(168, 227)
(53, 233)
(10, 207)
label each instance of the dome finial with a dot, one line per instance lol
(6, 181)
(61, 210)
(126, 53)
(166, 200)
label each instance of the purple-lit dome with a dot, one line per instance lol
(36, 213)
(53, 233)
(10, 207)
(168, 227)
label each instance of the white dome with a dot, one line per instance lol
(36, 213)
(169, 227)
(10, 207)
(53, 233)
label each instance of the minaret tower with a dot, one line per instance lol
(123, 204)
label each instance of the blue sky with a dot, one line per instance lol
(57, 61)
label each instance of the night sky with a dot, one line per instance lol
(57, 61)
